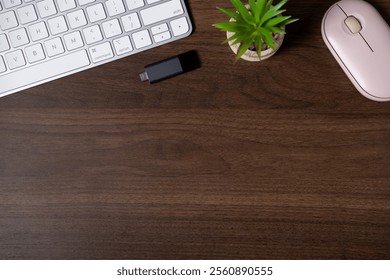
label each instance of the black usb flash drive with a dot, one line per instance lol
(170, 67)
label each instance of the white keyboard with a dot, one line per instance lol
(42, 40)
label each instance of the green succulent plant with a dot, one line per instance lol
(256, 25)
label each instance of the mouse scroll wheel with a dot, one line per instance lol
(353, 24)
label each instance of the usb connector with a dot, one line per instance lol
(170, 67)
(144, 76)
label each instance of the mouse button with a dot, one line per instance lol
(337, 34)
(333, 22)
(351, 7)
(353, 24)
(364, 12)
(377, 34)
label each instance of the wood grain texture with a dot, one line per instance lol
(283, 159)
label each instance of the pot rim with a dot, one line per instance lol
(250, 55)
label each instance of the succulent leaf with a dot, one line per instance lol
(243, 11)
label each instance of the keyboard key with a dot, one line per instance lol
(159, 28)
(27, 14)
(44, 71)
(180, 26)
(134, 4)
(18, 37)
(141, 39)
(131, 22)
(96, 12)
(34, 53)
(8, 20)
(73, 41)
(57, 25)
(162, 37)
(12, 3)
(77, 19)
(101, 52)
(4, 46)
(111, 28)
(54, 47)
(15, 59)
(161, 12)
(122, 45)
(38, 31)
(115, 7)
(2, 65)
(66, 5)
(92, 34)
(46, 8)
(85, 2)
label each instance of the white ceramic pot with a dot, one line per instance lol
(250, 55)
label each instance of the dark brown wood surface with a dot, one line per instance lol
(281, 159)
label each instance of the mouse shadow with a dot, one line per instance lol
(309, 24)
(384, 11)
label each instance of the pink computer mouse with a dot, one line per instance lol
(359, 39)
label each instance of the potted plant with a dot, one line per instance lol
(255, 30)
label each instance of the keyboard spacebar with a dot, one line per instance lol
(44, 71)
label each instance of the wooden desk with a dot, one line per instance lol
(282, 159)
